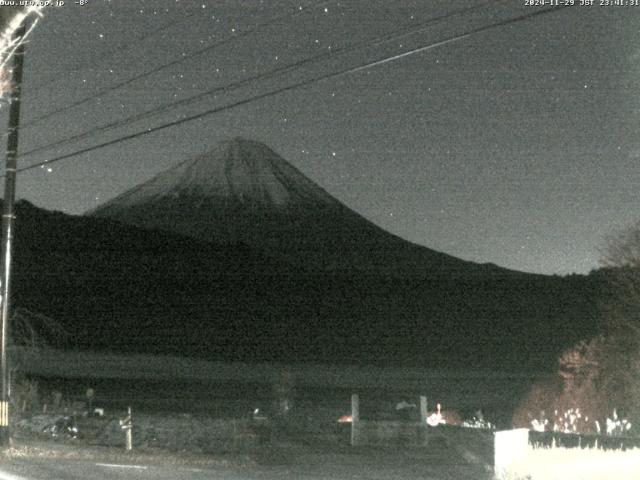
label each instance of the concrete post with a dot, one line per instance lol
(423, 409)
(423, 419)
(355, 419)
(127, 425)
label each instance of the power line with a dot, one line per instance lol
(235, 85)
(120, 48)
(172, 63)
(303, 83)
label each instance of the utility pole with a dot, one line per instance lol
(7, 229)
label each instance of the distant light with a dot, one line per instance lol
(345, 419)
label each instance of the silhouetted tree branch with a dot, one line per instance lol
(622, 260)
(602, 373)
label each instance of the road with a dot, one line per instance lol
(347, 467)
(59, 469)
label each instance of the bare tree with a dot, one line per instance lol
(602, 373)
(11, 18)
(621, 260)
(620, 357)
(35, 330)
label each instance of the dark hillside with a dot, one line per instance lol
(120, 288)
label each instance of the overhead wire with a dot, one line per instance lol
(124, 46)
(346, 71)
(240, 83)
(183, 58)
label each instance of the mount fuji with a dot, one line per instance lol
(242, 192)
(334, 286)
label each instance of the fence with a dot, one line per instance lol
(547, 455)
(512, 454)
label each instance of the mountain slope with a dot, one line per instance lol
(244, 192)
(120, 288)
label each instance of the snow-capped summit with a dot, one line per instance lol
(237, 171)
(244, 192)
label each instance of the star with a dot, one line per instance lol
(503, 103)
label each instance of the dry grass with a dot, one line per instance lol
(70, 451)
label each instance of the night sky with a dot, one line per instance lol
(516, 145)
